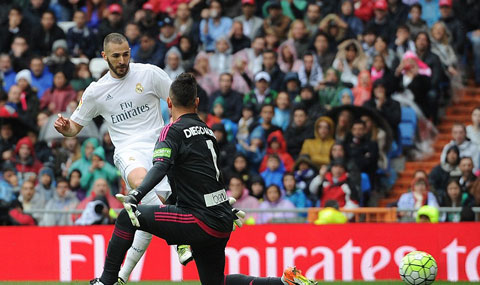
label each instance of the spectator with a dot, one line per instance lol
(42, 79)
(473, 130)
(238, 191)
(99, 169)
(188, 50)
(81, 40)
(63, 200)
(221, 59)
(345, 96)
(184, 25)
(276, 22)
(418, 197)
(59, 60)
(415, 22)
(112, 23)
(28, 106)
(430, 11)
(205, 77)
(232, 99)
(173, 63)
(150, 51)
(466, 147)
(46, 34)
(57, 98)
(381, 23)
(16, 26)
(213, 25)
(368, 42)
(455, 198)
(454, 25)
(335, 185)
(312, 18)
(276, 145)
(239, 167)
(388, 108)
(245, 122)
(335, 28)
(95, 11)
(262, 94)
(389, 56)
(363, 151)
(67, 8)
(254, 55)
(274, 199)
(344, 124)
(362, 92)
(318, 148)
(468, 177)
(100, 189)
(216, 113)
(226, 149)
(281, 118)
(294, 194)
(34, 11)
(257, 188)
(350, 60)
(251, 23)
(310, 72)
(84, 162)
(273, 173)
(324, 54)
(9, 187)
(17, 217)
(168, 36)
(96, 212)
(298, 131)
(445, 171)
(403, 41)
(31, 200)
(25, 159)
(237, 38)
(7, 142)
(147, 19)
(353, 24)
(20, 53)
(288, 59)
(7, 74)
(271, 66)
(311, 103)
(397, 11)
(254, 147)
(329, 88)
(304, 170)
(74, 184)
(291, 85)
(46, 184)
(338, 152)
(300, 37)
(82, 77)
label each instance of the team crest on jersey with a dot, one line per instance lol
(139, 88)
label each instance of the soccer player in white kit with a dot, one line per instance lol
(128, 98)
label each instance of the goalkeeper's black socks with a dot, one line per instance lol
(120, 242)
(240, 279)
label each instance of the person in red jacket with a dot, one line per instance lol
(336, 186)
(25, 159)
(276, 144)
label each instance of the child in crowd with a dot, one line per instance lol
(274, 172)
(294, 194)
(274, 200)
(257, 188)
(304, 171)
(282, 111)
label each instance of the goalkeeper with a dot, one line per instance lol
(203, 216)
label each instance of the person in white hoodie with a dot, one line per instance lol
(173, 63)
(464, 144)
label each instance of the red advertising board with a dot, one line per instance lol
(336, 252)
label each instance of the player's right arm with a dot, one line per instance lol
(67, 127)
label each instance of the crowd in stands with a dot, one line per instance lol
(310, 101)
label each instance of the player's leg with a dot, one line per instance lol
(291, 276)
(210, 260)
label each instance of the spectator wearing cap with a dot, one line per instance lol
(168, 36)
(354, 24)
(16, 26)
(59, 60)
(415, 22)
(271, 66)
(183, 23)
(95, 11)
(44, 35)
(29, 103)
(312, 18)
(80, 37)
(20, 53)
(298, 131)
(454, 25)
(150, 51)
(310, 72)
(213, 25)
(238, 40)
(276, 22)
(380, 23)
(113, 23)
(261, 94)
(6, 71)
(430, 11)
(232, 98)
(250, 23)
(318, 148)
(42, 78)
(34, 11)
(173, 63)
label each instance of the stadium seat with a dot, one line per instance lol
(97, 66)
(408, 127)
(66, 25)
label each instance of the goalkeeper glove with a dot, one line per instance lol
(239, 214)
(130, 204)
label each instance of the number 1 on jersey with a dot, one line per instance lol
(214, 156)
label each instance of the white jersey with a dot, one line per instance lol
(130, 105)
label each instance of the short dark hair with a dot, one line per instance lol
(403, 27)
(115, 38)
(51, 13)
(270, 51)
(228, 74)
(183, 90)
(416, 5)
(236, 176)
(358, 121)
(61, 179)
(264, 105)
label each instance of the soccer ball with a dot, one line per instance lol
(418, 267)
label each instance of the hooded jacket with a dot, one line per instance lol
(319, 149)
(107, 172)
(171, 72)
(467, 148)
(282, 153)
(336, 189)
(31, 164)
(284, 66)
(83, 164)
(47, 191)
(362, 92)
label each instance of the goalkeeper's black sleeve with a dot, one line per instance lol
(153, 177)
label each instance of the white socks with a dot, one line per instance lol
(135, 252)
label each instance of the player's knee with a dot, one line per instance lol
(123, 219)
(144, 235)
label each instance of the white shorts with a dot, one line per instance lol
(136, 156)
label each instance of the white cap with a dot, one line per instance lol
(24, 74)
(262, 75)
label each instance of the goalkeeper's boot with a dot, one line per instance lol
(96, 281)
(293, 276)
(120, 281)
(184, 254)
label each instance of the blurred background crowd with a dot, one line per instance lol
(312, 102)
